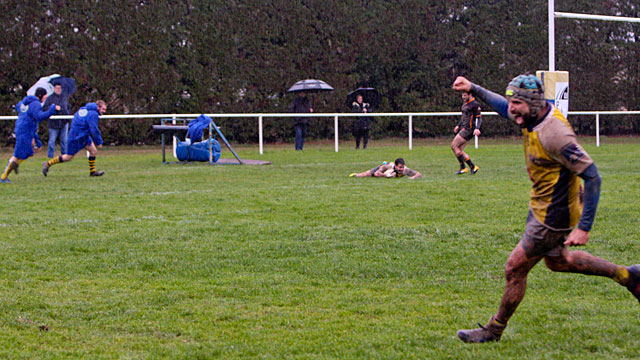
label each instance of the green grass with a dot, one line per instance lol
(296, 260)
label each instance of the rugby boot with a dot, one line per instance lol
(490, 332)
(96, 173)
(634, 280)
(45, 168)
(475, 169)
(353, 174)
(5, 181)
(462, 171)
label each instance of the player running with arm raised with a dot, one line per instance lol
(557, 218)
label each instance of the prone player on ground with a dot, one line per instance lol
(389, 170)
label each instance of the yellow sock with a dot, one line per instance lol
(622, 275)
(92, 164)
(6, 172)
(54, 161)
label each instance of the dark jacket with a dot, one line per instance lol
(63, 101)
(300, 105)
(362, 122)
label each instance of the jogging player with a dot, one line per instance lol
(389, 170)
(468, 127)
(555, 162)
(29, 115)
(84, 134)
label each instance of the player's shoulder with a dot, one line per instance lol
(555, 131)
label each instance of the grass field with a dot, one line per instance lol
(296, 260)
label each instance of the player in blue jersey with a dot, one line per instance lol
(30, 114)
(84, 134)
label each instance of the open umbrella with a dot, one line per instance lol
(369, 95)
(310, 85)
(47, 82)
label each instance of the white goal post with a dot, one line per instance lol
(554, 14)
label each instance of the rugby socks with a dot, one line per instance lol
(468, 160)
(461, 161)
(10, 167)
(92, 164)
(55, 160)
(7, 171)
(622, 275)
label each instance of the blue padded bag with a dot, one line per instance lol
(198, 151)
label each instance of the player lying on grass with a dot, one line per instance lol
(389, 170)
(29, 115)
(561, 211)
(84, 134)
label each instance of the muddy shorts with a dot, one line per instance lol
(539, 240)
(466, 134)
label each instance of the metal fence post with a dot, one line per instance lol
(175, 155)
(598, 130)
(335, 124)
(410, 132)
(260, 133)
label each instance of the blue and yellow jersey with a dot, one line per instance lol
(554, 159)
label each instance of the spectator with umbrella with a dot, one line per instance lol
(302, 105)
(63, 88)
(362, 125)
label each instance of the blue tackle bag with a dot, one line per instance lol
(197, 151)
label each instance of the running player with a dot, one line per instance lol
(84, 134)
(468, 127)
(558, 218)
(29, 115)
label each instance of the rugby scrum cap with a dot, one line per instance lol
(529, 89)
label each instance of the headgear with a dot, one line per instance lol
(529, 89)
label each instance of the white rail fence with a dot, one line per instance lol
(336, 117)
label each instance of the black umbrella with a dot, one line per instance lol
(310, 85)
(369, 95)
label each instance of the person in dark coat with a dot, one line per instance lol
(58, 128)
(300, 104)
(363, 123)
(29, 115)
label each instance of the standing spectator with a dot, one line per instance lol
(84, 134)
(29, 115)
(363, 123)
(58, 128)
(301, 104)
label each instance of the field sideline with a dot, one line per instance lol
(297, 260)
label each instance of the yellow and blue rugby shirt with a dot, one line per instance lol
(554, 159)
(390, 165)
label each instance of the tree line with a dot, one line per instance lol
(240, 56)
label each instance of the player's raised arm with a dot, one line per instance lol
(497, 102)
